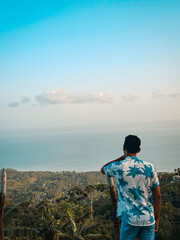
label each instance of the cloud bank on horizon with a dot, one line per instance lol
(61, 95)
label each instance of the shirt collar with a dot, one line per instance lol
(131, 157)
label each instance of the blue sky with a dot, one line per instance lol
(88, 62)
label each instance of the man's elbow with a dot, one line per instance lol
(102, 170)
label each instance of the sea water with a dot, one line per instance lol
(86, 150)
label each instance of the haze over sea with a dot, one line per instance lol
(86, 150)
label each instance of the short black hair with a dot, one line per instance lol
(132, 143)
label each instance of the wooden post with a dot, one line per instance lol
(114, 204)
(2, 201)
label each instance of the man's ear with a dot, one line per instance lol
(139, 150)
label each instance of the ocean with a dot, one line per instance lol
(86, 150)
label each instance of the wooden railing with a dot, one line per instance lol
(114, 206)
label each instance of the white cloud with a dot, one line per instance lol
(130, 98)
(25, 100)
(157, 95)
(174, 95)
(61, 95)
(13, 104)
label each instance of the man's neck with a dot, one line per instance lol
(131, 154)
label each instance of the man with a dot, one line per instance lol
(138, 191)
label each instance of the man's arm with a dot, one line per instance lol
(116, 160)
(157, 206)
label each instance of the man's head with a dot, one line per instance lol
(132, 144)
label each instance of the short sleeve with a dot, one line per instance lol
(154, 179)
(109, 170)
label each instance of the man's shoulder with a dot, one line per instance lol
(113, 165)
(147, 164)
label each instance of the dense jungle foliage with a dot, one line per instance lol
(69, 205)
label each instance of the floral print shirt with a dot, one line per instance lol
(135, 180)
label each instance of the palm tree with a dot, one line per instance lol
(81, 231)
(95, 191)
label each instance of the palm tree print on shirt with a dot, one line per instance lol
(134, 171)
(147, 171)
(136, 192)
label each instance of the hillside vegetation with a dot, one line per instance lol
(77, 206)
(25, 186)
